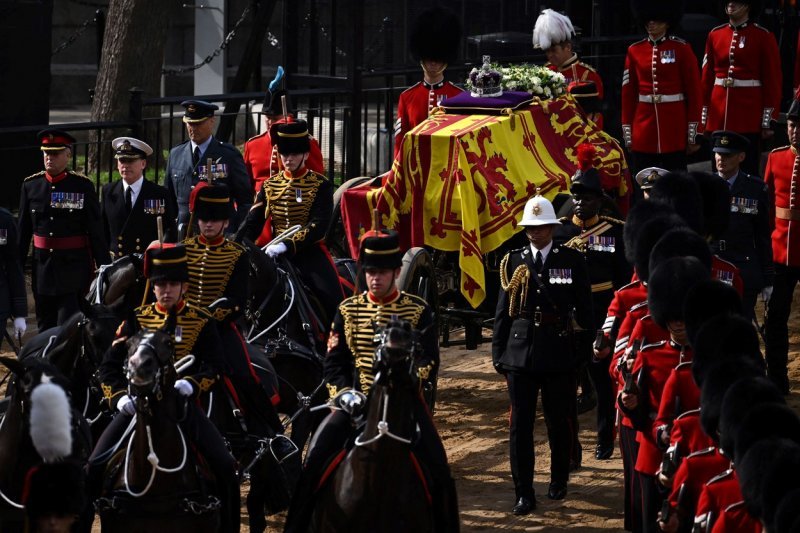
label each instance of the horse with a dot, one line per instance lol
(17, 451)
(378, 485)
(117, 280)
(154, 481)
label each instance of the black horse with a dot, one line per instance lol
(17, 451)
(379, 485)
(155, 482)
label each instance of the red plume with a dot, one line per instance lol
(586, 154)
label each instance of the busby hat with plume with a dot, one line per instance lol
(586, 178)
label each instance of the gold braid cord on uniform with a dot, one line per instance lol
(191, 321)
(289, 201)
(359, 314)
(516, 287)
(210, 268)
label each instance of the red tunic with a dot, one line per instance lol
(656, 362)
(718, 493)
(687, 435)
(741, 79)
(415, 105)
(781, 176)
(736, 519)
(624, 298)
(680, 390)
(262, 161)
(693, 473)
(727, 272)
(574, 70)
(661, 96)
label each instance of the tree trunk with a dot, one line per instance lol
(132, 56)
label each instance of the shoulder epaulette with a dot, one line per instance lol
(734, 506)
(653, 345)
(202, 311)
(629, 285)
(416, 299)
(705, 451)
(718, 27)
(612, 219)
(34, 175)
(690, 412)
(725, 262)
(318, 175)
(685, 364)
(412, 87)
(634, 307)
(677, 39)
(257, 136)
(760, 27)
(780, 148)
(587, 66)
(637, 43)
(720, 477)
(235, 244)
(79, 174)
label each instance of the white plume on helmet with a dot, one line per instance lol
(51, 422)
(551, 28)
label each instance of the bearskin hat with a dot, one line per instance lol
(661, 10)
(721, 338)
(786, 519)
(756, 472)
(680, 242)
(647, 237)
(716, 203)
(641, 213)
(55, 488)
(707, 299)
(737, 401)
(717, 382)
(436, 35)
(668, 285)
(682, 194)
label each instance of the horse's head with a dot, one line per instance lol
(113, 281)
(149, 367)
(396, 345)
(99, 323)
(29, 373)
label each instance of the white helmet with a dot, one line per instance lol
(538, 212)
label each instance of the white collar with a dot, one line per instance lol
(544, 251)
(136, 186)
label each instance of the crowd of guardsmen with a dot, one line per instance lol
(651, 314)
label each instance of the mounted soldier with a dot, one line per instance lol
(349, 374)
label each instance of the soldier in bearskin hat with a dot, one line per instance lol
(599, 239)
(59, 211)
(434, 42)
(661, 97)
(349, 373)
(554, 34)
(298, 196)
(167, 271)
(260, 152)
(742, 79)
(781, 176)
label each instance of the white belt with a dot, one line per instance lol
(733, 82)
(660, 98)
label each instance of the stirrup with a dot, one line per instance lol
(271, 443)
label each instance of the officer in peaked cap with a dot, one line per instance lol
(435, 38)
(545, 296)
(59, 211)
(647, 177)
(187, 163)
(746, 241)
(599, 239)
(298, 196)
(131, 206)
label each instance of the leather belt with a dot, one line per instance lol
(541, 319)
(60, 243)
(604, 286)
(787, 214)
(733, 82)
(660, 98)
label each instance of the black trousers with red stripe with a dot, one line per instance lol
(629, 450)
(558, 400)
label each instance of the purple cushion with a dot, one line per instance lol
(464, 102)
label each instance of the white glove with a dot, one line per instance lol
(766, 293)
(126, 406)
(184, 388)
(20, 326)
(274, 250)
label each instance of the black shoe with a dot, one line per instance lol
(524, 506)
(586, 402)
(604, 452)
(557, 491)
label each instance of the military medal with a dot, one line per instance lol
(725, 277)
(3, 236)
(178, 334)
(298, 195)
(741, 42)
(568, 276)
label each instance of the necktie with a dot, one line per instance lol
(538, 263)
(196, 156)
(128, 200)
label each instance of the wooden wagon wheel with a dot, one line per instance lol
(418, 277)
